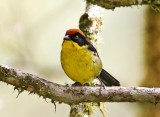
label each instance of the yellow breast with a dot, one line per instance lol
(79, 63)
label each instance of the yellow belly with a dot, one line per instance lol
(79, 63)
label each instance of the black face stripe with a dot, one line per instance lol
(81, 40)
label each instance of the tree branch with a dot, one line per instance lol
(111, 4)
(77, 94)
(91, 24)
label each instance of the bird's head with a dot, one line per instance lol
(76, 36)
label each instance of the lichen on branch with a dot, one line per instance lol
(77, 94)
(112, 4)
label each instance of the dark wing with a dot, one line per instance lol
(104, 76)
(93, 49)
(108, 79)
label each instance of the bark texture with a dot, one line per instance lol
(112, 4)
(76, 94)
(152, 56)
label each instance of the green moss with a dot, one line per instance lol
(81, 109)
(156, 7)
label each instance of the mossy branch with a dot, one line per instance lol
(112, 4)
(76, 94)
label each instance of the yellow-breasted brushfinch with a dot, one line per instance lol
(80, 60)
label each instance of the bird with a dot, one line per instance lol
(80, 60)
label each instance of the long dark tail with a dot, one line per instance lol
(108, 79)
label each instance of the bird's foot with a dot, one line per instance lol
(77, 84)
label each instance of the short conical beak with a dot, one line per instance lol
(66, 37)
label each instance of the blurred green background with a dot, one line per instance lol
(31, 33)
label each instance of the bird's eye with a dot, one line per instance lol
(76, 37)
